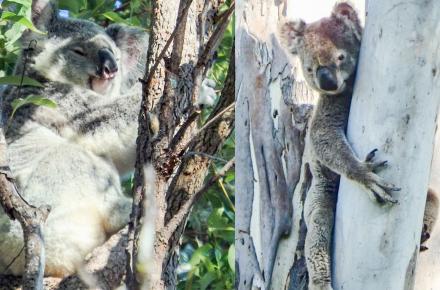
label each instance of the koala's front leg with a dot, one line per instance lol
(333, 150)
(319, 211)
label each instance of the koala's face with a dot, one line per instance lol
(80, 53)
(83, 54)
(328, 49)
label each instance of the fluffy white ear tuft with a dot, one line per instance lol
(133, 43)
(291, 34)
(42, 13)
(345, 10)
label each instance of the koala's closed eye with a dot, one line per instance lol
(79, 51)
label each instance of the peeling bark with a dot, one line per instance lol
(272, 113)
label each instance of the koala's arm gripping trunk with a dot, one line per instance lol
(327, 136)
(333, 150)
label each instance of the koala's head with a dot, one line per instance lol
(328, 48)
(84, 54)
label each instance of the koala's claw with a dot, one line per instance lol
(374, 165)
(377, 166)
(371, 155)
(384, 198)
(424, 237)
(382, 190)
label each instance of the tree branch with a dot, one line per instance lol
(191, 171)
(198, 75)
(183, 15)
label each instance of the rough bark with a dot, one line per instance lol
(377, 247)
(170, 89)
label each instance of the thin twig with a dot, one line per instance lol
(200, 71)
(178, 218)
(182, 130)
(206, 125)
(13, 260)
(167, 45)
(226, 194)
(26, 52)
(192, 153)
(215, 38)
(215, 118)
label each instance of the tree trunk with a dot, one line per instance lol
(394, 109)
(184, 37)
(270, 132)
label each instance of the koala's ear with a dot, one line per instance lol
(133, 44)
(292, 35)
(43, 12)
(345, 11)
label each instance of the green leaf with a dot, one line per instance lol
(7, 15)
(113, 16)
(231, 257)
(26, 3)
(73, 6)
(206, 280)
(16, 81)
(31, 99)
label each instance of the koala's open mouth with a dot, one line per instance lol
(101, 84)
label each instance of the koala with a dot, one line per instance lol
(71, 157)
(432, 201)
(328, 52)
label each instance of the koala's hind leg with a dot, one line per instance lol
(429, 218)
(319, 211)
(83, 191)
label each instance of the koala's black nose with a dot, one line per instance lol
(326, 79)
(108, 65)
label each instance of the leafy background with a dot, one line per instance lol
(207, 253)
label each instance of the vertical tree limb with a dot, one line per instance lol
(394, 109)
(167, 94)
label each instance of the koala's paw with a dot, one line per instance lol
(377, 186)
(424, 237)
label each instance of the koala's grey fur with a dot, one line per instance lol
(328, 50)
(72, 157)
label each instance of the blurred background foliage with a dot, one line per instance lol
(207, 254)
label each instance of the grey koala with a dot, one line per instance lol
(328, 50)
(71, 157)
